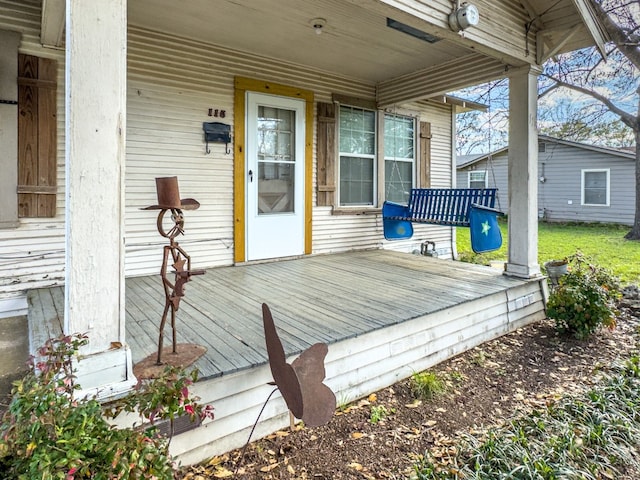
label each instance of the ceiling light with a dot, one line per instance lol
(318, 24)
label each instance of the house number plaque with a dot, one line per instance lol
(216, 112)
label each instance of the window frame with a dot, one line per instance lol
(373, 157)
(486, 178)
(607, 173)
(328, 153)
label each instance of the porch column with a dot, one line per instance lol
(523, 174)
(95, 116)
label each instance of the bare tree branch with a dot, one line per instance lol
(618, 34)
(627, 118)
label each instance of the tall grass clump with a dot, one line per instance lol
(426, 385)
(588, 437)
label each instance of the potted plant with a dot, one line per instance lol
(556, 269)
(584, 299)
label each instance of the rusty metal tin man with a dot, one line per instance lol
(169, 200)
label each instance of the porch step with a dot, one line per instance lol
(45, 316)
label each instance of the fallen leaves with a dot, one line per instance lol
(522, 371)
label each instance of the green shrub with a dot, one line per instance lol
(426, 385)
(584, 298)
(49, 434)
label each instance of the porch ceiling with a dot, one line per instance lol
(355, 41)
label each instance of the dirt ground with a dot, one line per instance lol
(485, 386)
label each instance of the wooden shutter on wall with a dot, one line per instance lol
(424, 167)
(36, 136)
(326, 153)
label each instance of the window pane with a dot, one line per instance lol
(357, 131)
(398, 137)
(356, 181)
(357, 145)
(275, 134)
(399, 154)
(477, 179)
(595, 188)
(398, 180)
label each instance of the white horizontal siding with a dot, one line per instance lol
(32, 254)
(172, 82)
(357, 367)
(159, 79)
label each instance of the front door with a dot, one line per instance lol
(275, 176)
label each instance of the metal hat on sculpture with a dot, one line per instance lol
(169, 196)
(301, 382)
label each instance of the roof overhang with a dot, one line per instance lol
(52, 23)
(593, 24)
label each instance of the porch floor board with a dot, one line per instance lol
(323, 298)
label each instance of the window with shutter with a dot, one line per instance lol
(354, 143)
(36, 136)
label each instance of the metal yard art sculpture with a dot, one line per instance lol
(300, 383)
(174, 289)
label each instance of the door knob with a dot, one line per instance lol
(251, 175)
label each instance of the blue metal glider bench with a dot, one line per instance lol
(454, 207)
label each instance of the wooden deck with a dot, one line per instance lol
(384, 315)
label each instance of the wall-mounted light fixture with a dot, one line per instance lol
(318, 24)
(463, 16)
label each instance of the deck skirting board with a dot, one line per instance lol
(358, 366)
(384, 316)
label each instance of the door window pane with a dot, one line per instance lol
(276, 160)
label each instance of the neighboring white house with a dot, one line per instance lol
(576, 182)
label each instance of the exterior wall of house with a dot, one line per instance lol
(172, 84)
(32, 253)
(560, 195)
(496, 178)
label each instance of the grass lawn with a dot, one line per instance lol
(603, 242)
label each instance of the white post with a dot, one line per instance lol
(95, 91)
(523, 174)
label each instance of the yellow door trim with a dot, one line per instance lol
(242, 85)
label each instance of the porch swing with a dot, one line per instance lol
(455, 207)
